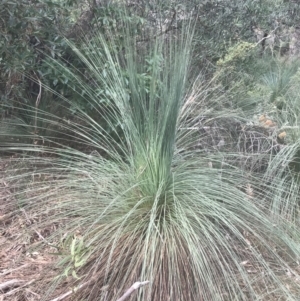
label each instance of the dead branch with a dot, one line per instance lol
(63, 296)
(38, 100)
(134, 287)
(267, 37)
(19, 288)
(33, 293)
(5, 217)
(11, 283)
(169, 28)
(13, 270)
(38, 233)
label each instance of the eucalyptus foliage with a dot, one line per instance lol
(145, 201)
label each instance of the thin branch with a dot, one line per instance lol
(169, 28)
(63, 296)
(38, 99)
(134, 287)
(4, 217)
(37, 232)
(11, 283)
(13, 270)
(19, 288)
(267, 37)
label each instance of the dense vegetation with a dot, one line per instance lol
(159, 141)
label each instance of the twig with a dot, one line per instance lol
(17, 289)
(63, 296)
(4, 217)
(169, 28)
(267, 37)
(33, 293)
(38, 99)
(37, 232)
(134, 287)
(10, 283)
(12, 270)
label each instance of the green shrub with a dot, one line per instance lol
(146, 201)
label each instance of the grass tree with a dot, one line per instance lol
(145, 201)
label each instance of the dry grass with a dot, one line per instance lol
(25, 267)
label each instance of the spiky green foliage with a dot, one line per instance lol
(147, 200)
(283, 91)
(279, 79)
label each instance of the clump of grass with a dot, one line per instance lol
(147, 205)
